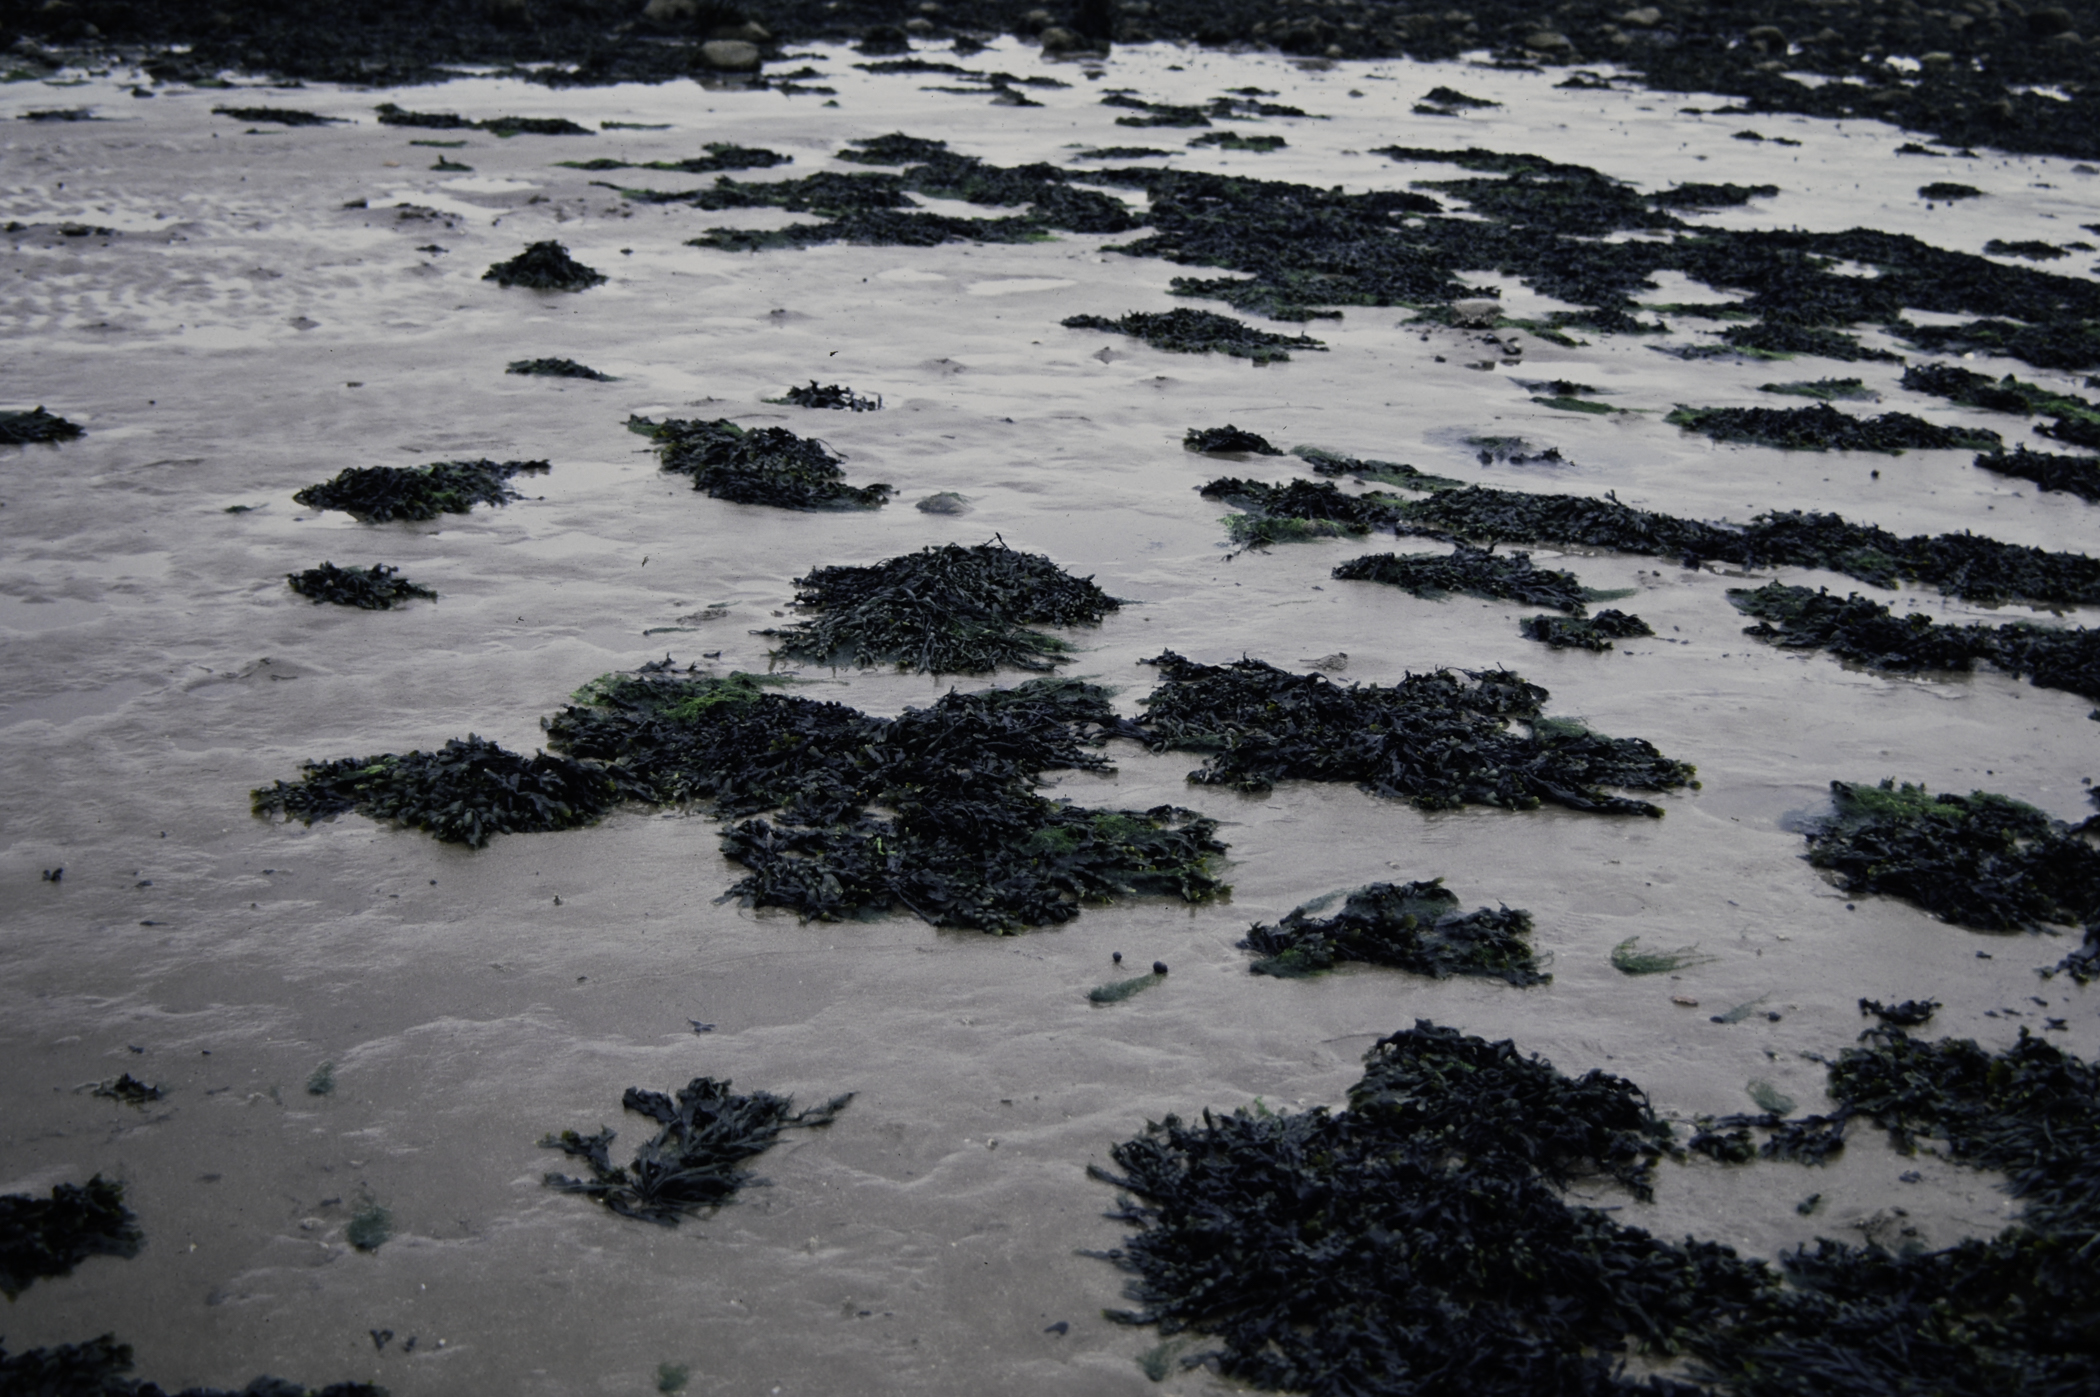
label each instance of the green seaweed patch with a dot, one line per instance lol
(463, 793)
(391, 115)
(1822, 427)
(721, 155)
(943, 610)
(1865, 632)
(45, 1237)
(380, 494)
(281, 116)
(1333, 463)
(321, 1081)
(1567, 404)
(129, 1090)
(1439, 740)
(694, 1162)
(1417, 927)
(2070, 475)
(1584, 632)
(1513, 451)
(1982, 860)
(1121, 153)
(377, 588)
(1945, 191)
(1826, 390)
(544, 266)
(1298, 511)
(1780, 339)
(1116, 991)
(371, 1226)
(765, 465)
(832, 395)
(1233, 140)
(1629, 959)
(34, 427)
(96, 1368)
(2007, 394)
(2062, 343)
(1965, 565)
(1226, 440)
(1473, 572)
(1184, 331)
(556, 368)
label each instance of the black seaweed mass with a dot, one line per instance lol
(1414, 926)
(35, 426)
(694, 1161)
(45, 1237)
(943, 610)
(98, 1368)
(379, 494)
(544, 266)
(556, 368)
(1475, 572)
(1866, 632)
(1584, 632)
(1823, 428)
(1981, 860)
(764, 465)
(1419, 1242)
(1186, 331)
(1301, 510)
(377, 588)
(1439, 740)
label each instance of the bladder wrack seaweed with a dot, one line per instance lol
(1414, 926)
(377, 494)
(765, 465)
(377, 588)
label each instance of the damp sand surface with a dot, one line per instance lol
(241, 334)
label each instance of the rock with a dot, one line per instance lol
(1058, 39)
(1479, 313)
(670, 11)
(1546, 41)
(730, 55)
(920, 26)
(1033, 23)
(750, 32)
(2045, 23)
(1646, 17)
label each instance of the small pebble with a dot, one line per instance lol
(1118, 957)
(1686, 1000)
(1159, 967)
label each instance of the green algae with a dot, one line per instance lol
(1417, 927)
(694, 1162)
(1116, 991)
(1825, 390)
(1629, 959)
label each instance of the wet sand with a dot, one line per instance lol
(244, 334)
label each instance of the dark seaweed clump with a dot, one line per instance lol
(129, 1090)
(1909, 1014)
(966, 840)
(97, 1368)
(544, 266)
(833, 396)
(45, 1237)
(694, 1161)
(1865, 632)
(281, 116)
(1418, 1242)
(1227, 439)
(1475, 572)
(944, 610)
(1584, 632)
(1414, 926)
(1825, 389)
(391, 115)
(1965, 565)
(35, 425)
(378, 494)
(765, 465)
(1198, 332)
(377, 588)
(1439, 740)
(1301, 510)
(1981, 860)
(1823, 428)
(463, 793)
(1398, 473)
(556, 368)
(721, 155)
(1949, 191)
(2072, 475)
(2007, 394)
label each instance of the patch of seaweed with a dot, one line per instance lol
(831, 395)
(721, 155)
(1629, 959)
(1909, 1014)
(45, 1237)
(1823, 428)
(1439, 740)
(1116, 991)
(1584, 632)
(1712, 196)
(1948, 192)
(544, 266)
(1227, 439)
(377, 588)
(1824, 390)
(693, 1163)
(34, 426)
(129, 1090)
(1233, 140)
(943, 610)
(556, 368)
(2055, 343)
(1185, 331)
(463, 793)
(281, 116)
(765, 465)
(876, 228)
(1965, 565)
(1866, 632)
(391, 115)
(2033, 249)
(1413, 926)
(1782, 339)
(379, 494)
(1397, 473)
(1474, 572)
(1982, 860)
(2070, 475)
(2007, 394)
(97, 1367)
(1301, 510)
